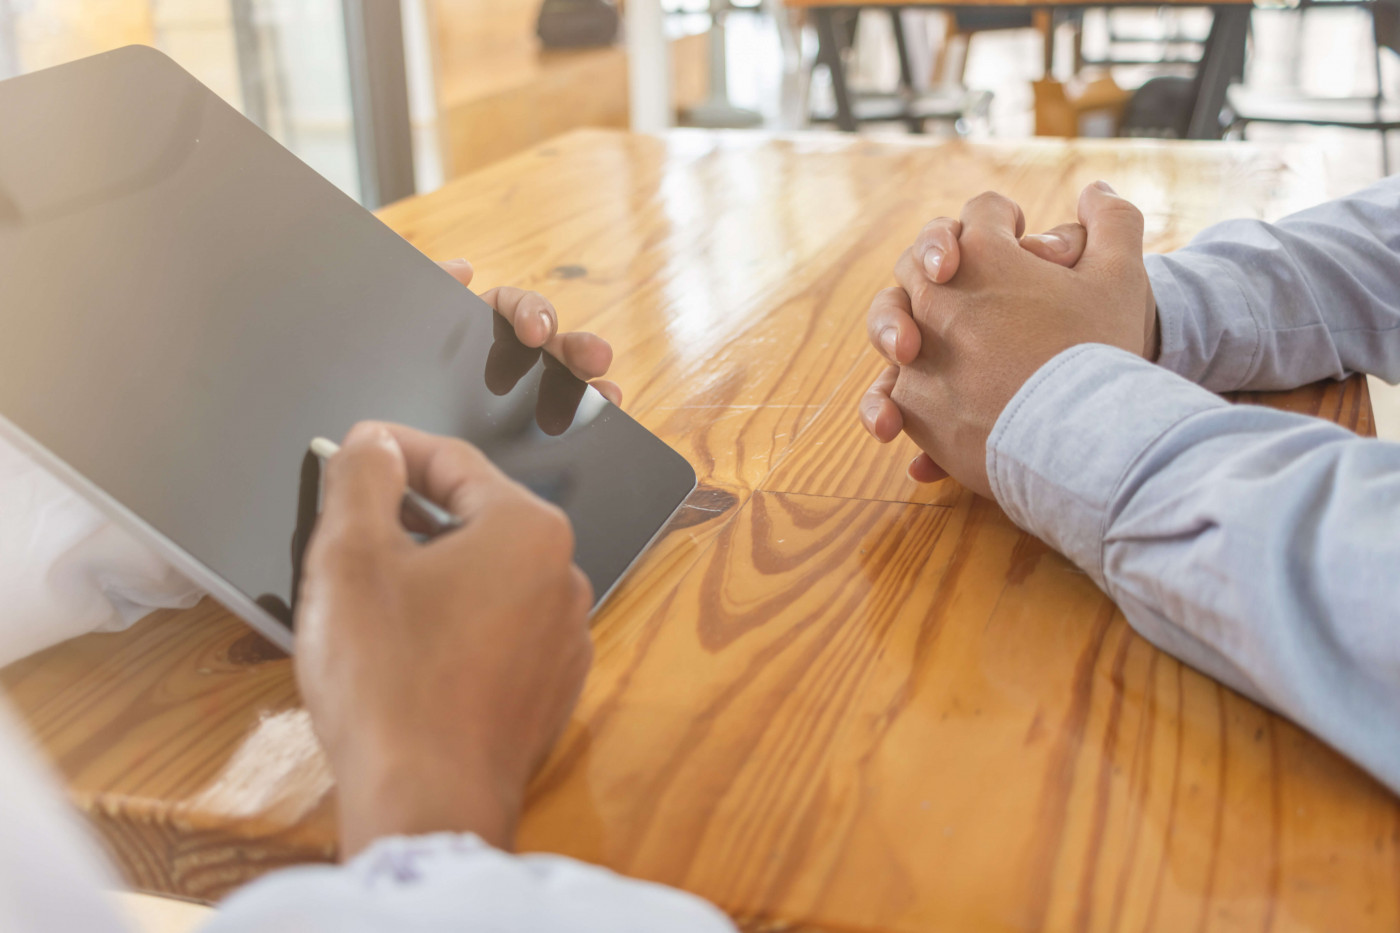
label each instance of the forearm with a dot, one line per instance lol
(449, 882)
(1257, 546)
(1251, 305)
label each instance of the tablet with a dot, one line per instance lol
(184, 305)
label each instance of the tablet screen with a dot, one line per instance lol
(184, 305)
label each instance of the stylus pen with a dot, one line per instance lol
(434, 518)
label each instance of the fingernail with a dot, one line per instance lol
(1052, 241)
(889, 341)
(547, 320)
(1104, 186)
(933, 261)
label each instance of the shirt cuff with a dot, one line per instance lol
(1209, 332)
(1062, 449)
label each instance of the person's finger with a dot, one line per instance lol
(878, 411)
(1062, 245)
(922, 469)
(1113, 227)
(936, 249)
(450, 472)
(582, 589)
(609, 390)
(530, 313)
(588, 356)
(993, 216)
(363, 490)
(460, 269)
(890, 324)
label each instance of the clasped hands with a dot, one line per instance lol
(980, 307)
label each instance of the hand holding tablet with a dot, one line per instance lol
(233, 306)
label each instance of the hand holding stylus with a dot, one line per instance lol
(438, 675)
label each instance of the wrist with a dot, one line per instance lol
(399, 793)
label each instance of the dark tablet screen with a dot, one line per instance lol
(184, 305)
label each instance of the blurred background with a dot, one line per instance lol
(388, 98)
(391, 97)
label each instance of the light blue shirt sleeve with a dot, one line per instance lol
(1252, 305)
(1258, 546)
(448, 882)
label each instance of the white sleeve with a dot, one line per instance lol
(52, 875)
(65, 569)
(1251, 305)
(448, 882)
(1259, 546)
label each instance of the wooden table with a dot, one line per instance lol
(828, 698)
(1222, 60)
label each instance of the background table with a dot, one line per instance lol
(1221, 62)
(828, 698)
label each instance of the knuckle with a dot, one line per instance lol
(1127, 210)
(922, 296)
(463, 451)
(549, 528)
(360, 427)
(991, 199)
(582, 591)
(452, 455)
(939, 230)
(882, 310)
(977, 239)
(889, 300)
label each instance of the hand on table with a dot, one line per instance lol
(980, 308)
(536, 324)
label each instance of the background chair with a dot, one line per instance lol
(950, 103)
(1254, 105)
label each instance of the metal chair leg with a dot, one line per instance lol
(906, 70)
(829, 54)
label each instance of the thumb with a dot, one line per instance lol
(364, 488)
(459, 269)
(1062, 245)
(1113, 224)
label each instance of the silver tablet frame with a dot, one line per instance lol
(213, 584)
(201, 574)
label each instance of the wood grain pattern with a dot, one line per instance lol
(828, 699)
